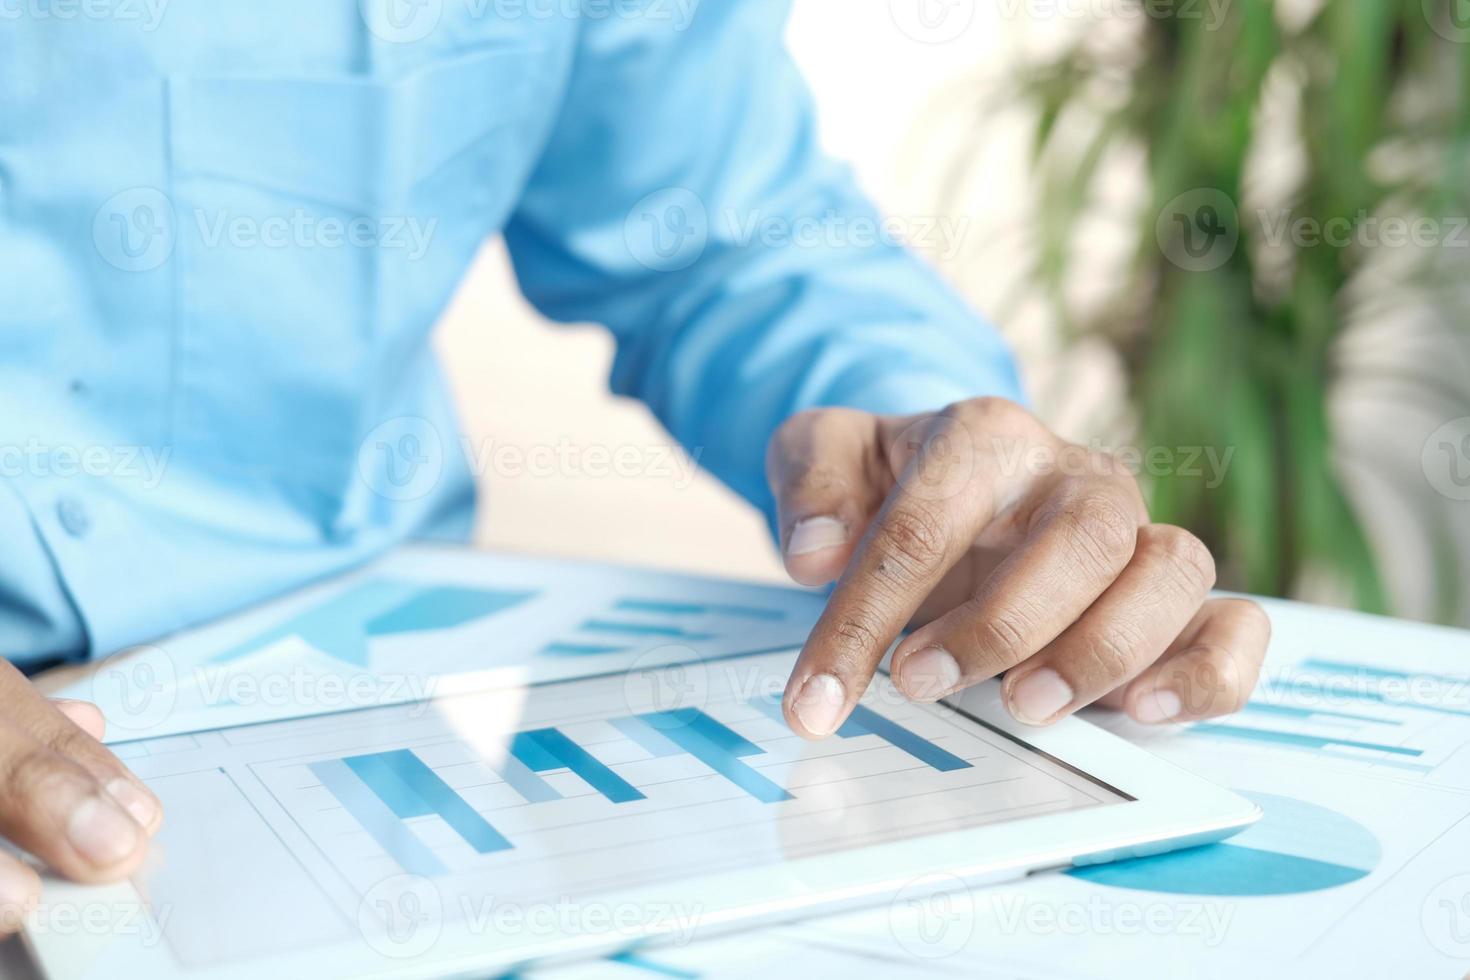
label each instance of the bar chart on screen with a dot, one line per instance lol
(570, 788)
(695, 780)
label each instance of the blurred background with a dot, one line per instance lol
(1224, 236)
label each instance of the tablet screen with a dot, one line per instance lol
(524, 803)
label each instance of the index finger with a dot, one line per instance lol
(941, 501)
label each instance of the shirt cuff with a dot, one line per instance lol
(910, 392)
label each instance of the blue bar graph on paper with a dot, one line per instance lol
(562, 648)
(866, 721)
(391, 774)
(1317, 690)
(344, 625)
(1292, 711)
(1298, 740)
(1418, 767)
(642, 629)
(1384, 673)
(670, 608)
(545, 749)
(443, 606)
(375, 816)
(715, 745)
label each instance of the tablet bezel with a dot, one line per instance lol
(1169, 808)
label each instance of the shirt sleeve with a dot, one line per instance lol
(682, 201)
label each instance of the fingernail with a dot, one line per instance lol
(1039, 695)
(136, 801)
(101, 832)
(816, 534)
(819, 705)
(1156, 708)
(929, 674)
(17, 896)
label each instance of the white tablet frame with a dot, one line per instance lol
(1169, 809)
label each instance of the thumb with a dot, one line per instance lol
(826, 471)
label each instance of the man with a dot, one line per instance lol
(227, 229)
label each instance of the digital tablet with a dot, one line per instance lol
(476, 833)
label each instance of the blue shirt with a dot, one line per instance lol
(227, 227)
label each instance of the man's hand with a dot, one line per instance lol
(63, 797)
(1010, 551)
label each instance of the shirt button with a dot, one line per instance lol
(73, 516)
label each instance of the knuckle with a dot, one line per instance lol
(988, 411)
(798, 424)
(815, 479)
(1112, 653)
(790, 438)
(836, 421)
(1248, 613)
(1103, 534)
(804, 427)
(1003, 634)
(857, 634)
(1184, 554)
(70, 742)
(914, 539)
(33, 774)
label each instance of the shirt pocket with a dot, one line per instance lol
(323, 224)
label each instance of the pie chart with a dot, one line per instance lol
(1295, 847)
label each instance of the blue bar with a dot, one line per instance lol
(710, 742)
(560, 649)
(336, 626)
(648, 740)
(533, 788)
(771, 708)
(441, 798)
(1292, 711)
(389, 787)
(642, 629)
(866, 721)
(1418, 767)
(638, 961)
(698, 609)
(725, 739)
(1362, 670)
(1316, 690)
(1298, 740)
(534, 755)
(342, 625)
(444, 607)
(547, 748)
(375, 816)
